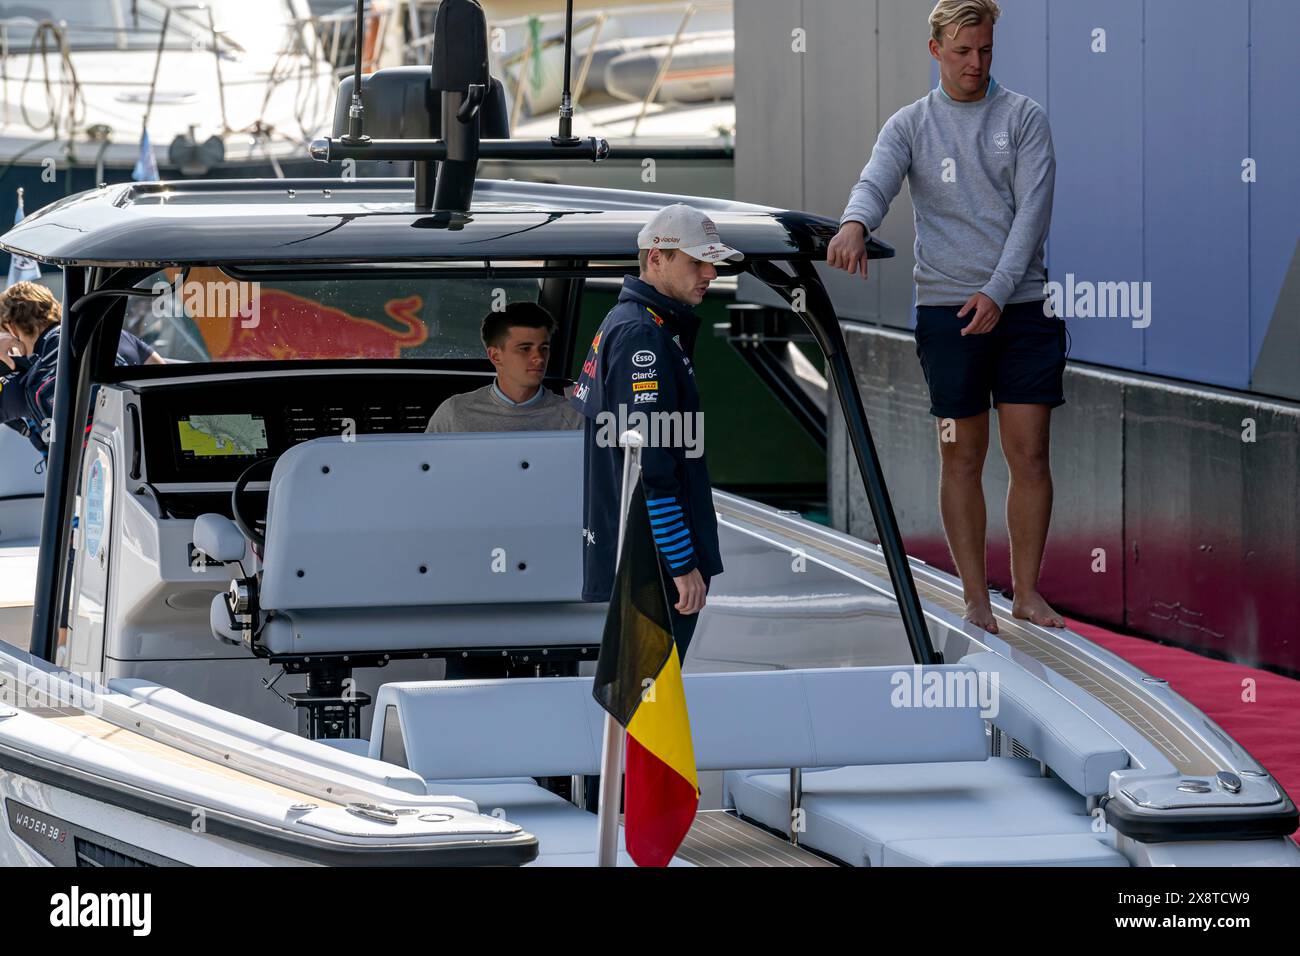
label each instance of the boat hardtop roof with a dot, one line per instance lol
(273, 222)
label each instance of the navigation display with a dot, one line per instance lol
(212, 431)
(222, 436)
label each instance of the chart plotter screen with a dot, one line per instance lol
(222, 436)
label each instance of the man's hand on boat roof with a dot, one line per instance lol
(690, 593)
(848, 250)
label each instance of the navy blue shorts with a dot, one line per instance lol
(1022, 361)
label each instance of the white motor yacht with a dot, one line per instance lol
(273, 566)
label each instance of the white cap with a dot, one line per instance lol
(683, 227)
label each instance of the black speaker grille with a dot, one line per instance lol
(92, 854)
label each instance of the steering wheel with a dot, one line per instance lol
(252, 473)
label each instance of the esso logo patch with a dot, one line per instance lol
(643, 359)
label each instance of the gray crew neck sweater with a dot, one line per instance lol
(981, 176)
(482, 411)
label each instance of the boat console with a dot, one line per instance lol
(366, 596)
(390, 546)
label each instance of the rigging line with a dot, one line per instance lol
(40, 38)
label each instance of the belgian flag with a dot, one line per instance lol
(639, 682)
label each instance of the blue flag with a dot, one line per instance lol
(146, 167)
(21, 268)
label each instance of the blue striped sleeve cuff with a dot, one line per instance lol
(672, 536)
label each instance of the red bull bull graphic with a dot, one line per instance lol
(290, 326)
(210, 316)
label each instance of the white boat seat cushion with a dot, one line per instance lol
(451, 627)
(1065, 850)
(544, 727)
(365, 536)
(793, 718)
(553, 726)
(854, 813)
(1060, 734)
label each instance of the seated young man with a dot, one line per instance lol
(518, 343)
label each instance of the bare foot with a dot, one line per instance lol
(980, 613)
(1032, 608)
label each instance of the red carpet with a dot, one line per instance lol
(1268, 726)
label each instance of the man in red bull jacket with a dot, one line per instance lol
(29, 354)
(640, 362)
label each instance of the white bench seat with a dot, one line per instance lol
(1066, 850)
(1057, 732)
(855, 814)
(898, 784)
(464, 736)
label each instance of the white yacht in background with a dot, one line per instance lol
(228, 87)
(654, 80)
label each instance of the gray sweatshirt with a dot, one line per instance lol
(486, 409)
(981, 176)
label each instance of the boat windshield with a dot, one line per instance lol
(206, 315)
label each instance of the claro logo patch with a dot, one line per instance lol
(643, 359)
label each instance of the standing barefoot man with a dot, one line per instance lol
(978, 159)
